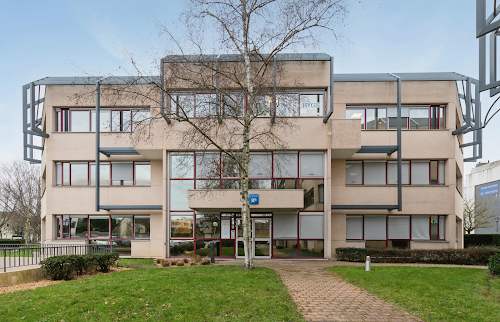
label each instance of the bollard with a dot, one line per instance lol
(212, 253)
(368, 264)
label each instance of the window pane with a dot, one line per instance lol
(419, 172)
(122, 247)
(286, 165)
(126, 121)
(393, 123)
(284, 226)
(311, 165)
(208, 165)
(353, 172)
(399, 227)
(80, 121)
(230, 184)
(441, 172)
(285, 184)
(122, 173)
(179, 194)
(233, 104)
(434, 172)
(285, 248)
(116, 121)
(207, 226)
(181, 248)
(354, 227)
(58, 173)
(262, 105)
(374, 173)
(139, 116)
(104, 174)
(356, 113)
(105, 120)
(311, 248)
(227, 247)
(206, 105)
(287, 104)
(434, 117)
(230, 168)
(442, 227)
(376, 119)
(311, 105)
(79, 174)
(392, 172)
(434, 227)
(142, 174)
(79, 227)
(142, 226)
(99, 226)
(182, 105)
(260, 165)
(259, 184)
(181, 226)
(420, 227)
(121, 227)
(311, 226)
(208, 184)
(419, 118)
(442, 118)
(66, 175)
(65, 228)
(203, 248)
(182, 166)
(375, 227)
(58, 226)
(313, 194)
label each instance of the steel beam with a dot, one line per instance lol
(97, 144)
(118, 151)
(389, 149)
(400, 189)
(273, 118)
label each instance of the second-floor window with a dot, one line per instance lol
(111, 173)
(111, 119)
(385, 117)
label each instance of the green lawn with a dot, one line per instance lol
(433, 294)
(137, 262)
(197, 293)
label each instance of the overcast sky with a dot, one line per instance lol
(74, 38)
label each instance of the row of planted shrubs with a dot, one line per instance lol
(467, 256)
(65, 267)
(12, 241)
(481, 240)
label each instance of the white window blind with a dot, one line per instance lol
(442, 227)
(284, 226)
(399, 227)
(441, 172)
(419, 172)
(311, 226)
(122, 171)
(354, 227)
(286, 165)
(260, 165)
(207, 165)
(374, 173)
(311, 165)
(375, 227)
(353, 172)
(420, 228)
(392, 172)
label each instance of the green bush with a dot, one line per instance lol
(481, 240)
(65, 267)
(469, 256)
(494, 264)
(12, 241)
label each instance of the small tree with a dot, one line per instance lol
(478, 214)
(20, 197)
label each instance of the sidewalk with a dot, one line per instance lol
(321, 296)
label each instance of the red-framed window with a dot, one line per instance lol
(383, 172)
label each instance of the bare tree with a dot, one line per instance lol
(478, 214)
(20, 197)
(240, 91)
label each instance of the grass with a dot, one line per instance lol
(137, 262)
(197, 293)
(432, 293)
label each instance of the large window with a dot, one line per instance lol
(414, 172)
(111, 119)
(111, 173)
(385, 117)
(381, 231)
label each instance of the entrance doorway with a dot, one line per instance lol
(260, 236)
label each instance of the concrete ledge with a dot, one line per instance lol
(20, 276)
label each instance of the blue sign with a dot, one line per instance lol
(489, 189)
(254, 199)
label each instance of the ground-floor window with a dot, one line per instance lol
(382, 231)
(283, 235)
(115, 230)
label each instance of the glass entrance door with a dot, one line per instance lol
(260, 235)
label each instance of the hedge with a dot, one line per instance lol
(12, 241)
(494, 264)
(481, 240)
(65, 267)
(436, 256)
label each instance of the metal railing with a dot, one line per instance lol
(31, 254)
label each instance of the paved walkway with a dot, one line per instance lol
(321, 296)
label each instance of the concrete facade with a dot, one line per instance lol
(337, 141)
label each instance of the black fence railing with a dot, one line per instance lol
(31, 254)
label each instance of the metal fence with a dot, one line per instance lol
(31, 254)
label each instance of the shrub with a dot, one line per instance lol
(180, 263)
(494, 264)
(194, 263)
(186, 260)
(12, 241)
(58, 267)
(205, 262)
(66, 266)
(196, 258)
(469, 256)
(158, 260)
(481, 240)
(165, 263)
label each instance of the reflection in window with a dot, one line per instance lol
(121, 227)
(259, 184)
(376, 119)
(356, 113)
(285, 184)
(263, 105)
(122, 174)
(230, 184)
(80, 121)
(142, 227)
(99, 226)
(286, 164)
(287, 104)
(142, 174)
(183, 248)
(233, 104)
(230, 167)
(313, 194)
(79, 227)
(259, 165)
(206, 105)
(182, 166)
(285, 248)
(179, 194)
(207, 226)
(182, 105)
(419, 118)
(104, 174)
(208, 165)
(311, 105)
(79, 174)
(354, 172)
(181, 226)
(311, 248)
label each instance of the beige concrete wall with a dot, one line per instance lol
(20, 276)
(154, 246)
